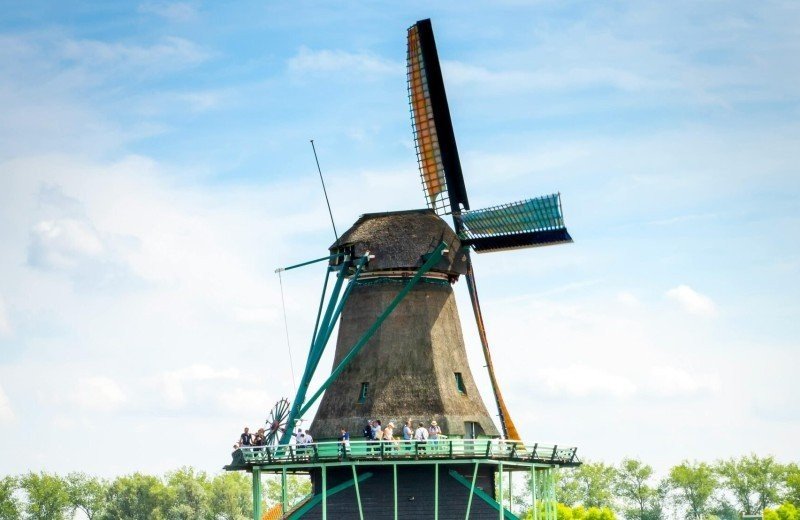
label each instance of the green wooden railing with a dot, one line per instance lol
(447, 449)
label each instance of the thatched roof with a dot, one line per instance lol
(398, 240)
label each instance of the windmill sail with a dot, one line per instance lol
(434, 140)
(527, 223)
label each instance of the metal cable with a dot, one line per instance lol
(286, 327)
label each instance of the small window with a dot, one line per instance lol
(460, 383)
(362, 396)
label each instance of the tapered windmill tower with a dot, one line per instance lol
(400, 352)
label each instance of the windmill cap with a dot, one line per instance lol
(402, 240)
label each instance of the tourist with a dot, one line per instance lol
(377, 431)
(245, 439)
(344, 441)
(308, 439)
(433, 433)
(388, 432)
(260, 438)
(408, 434)
(368, 431)
(421, 436)
(408, 431)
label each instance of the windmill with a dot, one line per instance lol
(400, 354)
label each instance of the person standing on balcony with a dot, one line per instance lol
(245, 438)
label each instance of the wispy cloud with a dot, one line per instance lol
(692, 301)
(173, 11)
(169, 54)
(5, 321)
(580, 381)
(6, 412)
(97, 393)
(338, 61)
(667, 381)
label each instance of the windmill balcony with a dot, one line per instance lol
(294, 455)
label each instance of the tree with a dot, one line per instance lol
(189, 495)
(47, 496)
(754, 482)
(137, 497)
(632, 485)
(87, 494)
(695, 484)
(297, 488)
(564, 512)
(792, 495)
(9, 504)
(595, 484)
(787, 511)
(231, 497)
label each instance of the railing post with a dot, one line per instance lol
(256, 493)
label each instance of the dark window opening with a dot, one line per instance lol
(460, 383)
(362, 396)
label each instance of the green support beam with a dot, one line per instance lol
(436, 491)
(358, 493)
(256, 493)
(324, 493)
(471, 490)
(432, 260)
(500, 488)
(317, 499)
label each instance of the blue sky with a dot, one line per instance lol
(155, 169)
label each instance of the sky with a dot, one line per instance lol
(155, 170)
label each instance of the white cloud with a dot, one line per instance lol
(98, 393)
(628, 298)
(63, 244)
(327, 61)
(170, 53)
(666, 381)
(6, 412)
(5, 322)
(692, 301)
(459, 74)
(582, 381)
(173, 384)
(255, 314)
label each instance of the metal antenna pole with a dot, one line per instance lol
(328, 202)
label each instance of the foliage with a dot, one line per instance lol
(297, 488)
(787, 511)
(47, 497)
(695, 483)
(792, 473)
(9, 504)
(754, 482)
(632, 484)
(594, 484)
(189, 496)
(87, 494)
(565, 512)
(137, 497)
(231, 497)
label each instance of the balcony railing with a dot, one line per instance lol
(447, 449)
